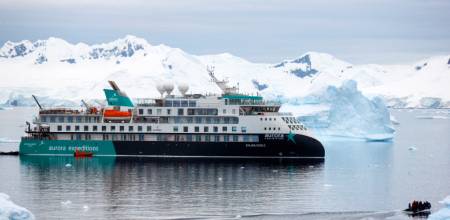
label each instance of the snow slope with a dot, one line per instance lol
(56, 69)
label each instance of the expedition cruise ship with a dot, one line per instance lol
(230, 125)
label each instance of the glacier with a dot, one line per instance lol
(9, 210)
(344, 112)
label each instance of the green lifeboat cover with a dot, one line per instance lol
(115, 99)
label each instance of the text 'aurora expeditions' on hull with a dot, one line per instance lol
(231, 125)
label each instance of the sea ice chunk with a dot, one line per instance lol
(9, 210)
(443, 213)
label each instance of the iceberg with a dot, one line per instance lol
(9, 210)
(345, 112)
(443, 213)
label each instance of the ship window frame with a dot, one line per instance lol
(149, 128)
(185, 129)
(112, 128)
(196, 129)
(59, 127)
(180, 111)
(77, 128)
(67, 127)
(130, 128)
(139, 128)
(121, 128)
(233, 128)
(94, 128)
(149, 111)
(52, 119)
(224, 128)
(141, 111)
(85, 128)
(103, 128)
(175, 128)
(205, 129)
(244, 129)
(215, 129)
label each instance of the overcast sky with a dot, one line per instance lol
(358, 31)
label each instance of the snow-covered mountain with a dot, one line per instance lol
(56, 69)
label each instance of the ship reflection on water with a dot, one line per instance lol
(143, 187)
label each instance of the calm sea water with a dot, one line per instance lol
(357, 179)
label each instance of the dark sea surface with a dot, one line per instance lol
(357, 180)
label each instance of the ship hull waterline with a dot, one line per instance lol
(300, 146)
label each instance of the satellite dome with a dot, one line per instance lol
(168, 87)
(183, 88)
(160, 89)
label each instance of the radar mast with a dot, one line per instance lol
(222, 84)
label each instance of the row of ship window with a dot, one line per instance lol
(190, 111)
(290, 120)
(269, 119)
(71, 119)
(297, 127)
(170, 137)
(112, 128)
(188, 120)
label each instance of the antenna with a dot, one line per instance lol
(85, 104)
(37, 102)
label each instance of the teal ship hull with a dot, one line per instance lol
(65, 147)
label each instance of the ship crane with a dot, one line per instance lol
(222, 84)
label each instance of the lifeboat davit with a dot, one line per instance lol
(82, 153)
(116, 114)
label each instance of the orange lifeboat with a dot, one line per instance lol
(82, 153)
(116, 114)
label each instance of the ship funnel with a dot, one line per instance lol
(168, 87)
(160, 89)
(183, 88)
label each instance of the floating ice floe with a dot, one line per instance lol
(9, 210)
(66, 203)
(8, 140)
(412, 148)
(443, 213)
(68, 165)
(431, 117)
